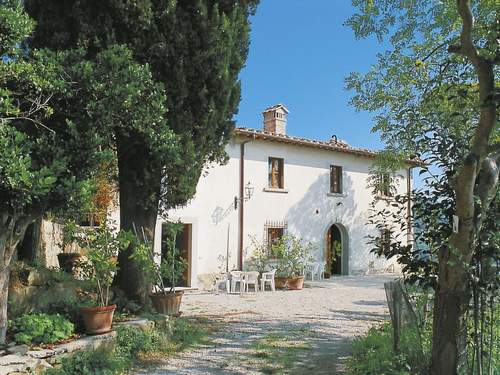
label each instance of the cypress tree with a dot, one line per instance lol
(196, 49)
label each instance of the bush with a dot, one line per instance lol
(101, 362)
(41, 328)
(132, 342)
(374, 354)
(134, 345)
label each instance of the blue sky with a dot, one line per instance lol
(300, 53)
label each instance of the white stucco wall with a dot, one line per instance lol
(307, 207)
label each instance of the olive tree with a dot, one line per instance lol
(440, 79)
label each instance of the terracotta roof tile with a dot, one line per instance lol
(332, 145)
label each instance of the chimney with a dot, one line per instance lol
(275, 119)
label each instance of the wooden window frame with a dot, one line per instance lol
(280, 171)
(338, 174)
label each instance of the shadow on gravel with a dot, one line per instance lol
(251, 346)
(370, 303)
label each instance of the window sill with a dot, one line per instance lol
(275, 190)
(339, 195)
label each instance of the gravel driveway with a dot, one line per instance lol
(317, 323)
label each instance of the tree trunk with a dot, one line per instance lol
(4, 295)
(11, 232)
(449, 327)
(453, 292)
(139, 180)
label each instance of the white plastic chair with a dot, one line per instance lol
(251, 278)
(310, 269)
(237, 277)
(267, 278)
(322, 269)
(222, 279)
(318, 266)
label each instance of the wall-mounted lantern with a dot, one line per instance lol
(247, 195)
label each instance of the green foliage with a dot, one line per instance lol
(14, 28)
(101, 362)
(101, 245)
(195, 50)
(260, 255)
(373, 354)
(186, 332)
(170, 268)
(135, 345)
(46, 159)
(435, 95)
(277, 353)
(292, 254)
(40, 165)
(57, 294)
(336, 250)
(40, 328)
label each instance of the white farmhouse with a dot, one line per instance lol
(275, 183)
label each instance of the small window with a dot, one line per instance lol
(273, 236)
(335, 179)
(274, 231)
(276, 180)
(384, 188)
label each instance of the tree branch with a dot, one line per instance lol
(466, 46)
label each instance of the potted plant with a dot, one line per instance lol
(166, 300)
(98, 265)
(260, 255)
(335, 253)
(292, 255)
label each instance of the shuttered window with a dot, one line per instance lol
(335, 179)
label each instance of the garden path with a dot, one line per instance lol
(298, 332)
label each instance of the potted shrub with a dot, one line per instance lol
(292, 255)
(335, 252)
(101, 246)
(166, 300)
(260, 256)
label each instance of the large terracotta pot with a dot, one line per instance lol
(280, 282)
(169, 303)
(295, 283)
(98, 320)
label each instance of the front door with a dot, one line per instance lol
(334, 250)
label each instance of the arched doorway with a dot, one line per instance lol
(336, 250)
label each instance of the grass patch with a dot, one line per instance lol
(277, 353)
(374, 354)
(135, 346)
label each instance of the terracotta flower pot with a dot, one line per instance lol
(98, 320)
(280, 282)
(295, 283)
(167, 304)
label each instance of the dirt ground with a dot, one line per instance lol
(293, 332)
